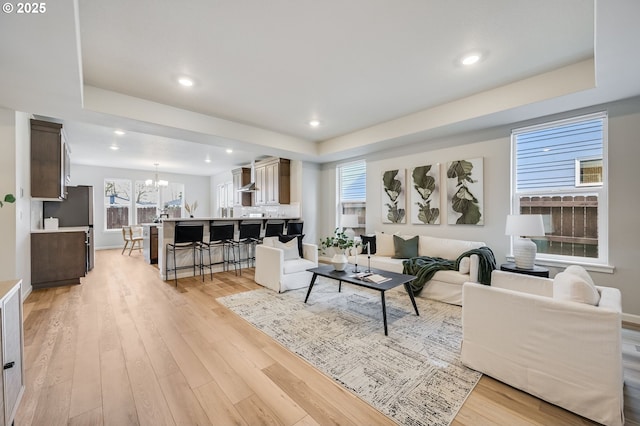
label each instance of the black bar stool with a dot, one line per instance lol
(186, 237)
(248, 238)
(221, 237)
(273, 229)
(294, 228)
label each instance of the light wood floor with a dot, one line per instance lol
(126, 348)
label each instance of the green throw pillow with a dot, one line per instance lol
(405, 249)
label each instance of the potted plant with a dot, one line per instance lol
(339, 242)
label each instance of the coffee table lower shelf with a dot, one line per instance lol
(395, 280)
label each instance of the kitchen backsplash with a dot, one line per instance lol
(282, 210)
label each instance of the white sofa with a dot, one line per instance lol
(567, 353)
(445, 286)
(273, 272)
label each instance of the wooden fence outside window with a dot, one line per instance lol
(571, 224)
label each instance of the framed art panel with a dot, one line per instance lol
(465, 196)
(425, 195)
(393, 196)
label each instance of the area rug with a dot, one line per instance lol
(414, 375)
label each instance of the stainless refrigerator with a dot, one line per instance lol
(75, 210)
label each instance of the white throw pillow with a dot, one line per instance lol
(290, 249)
(581, 272)
(384, 244)
(573, 288)
(269, 241)
(465, 265)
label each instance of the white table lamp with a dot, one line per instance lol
(522, 227)
(348, 222)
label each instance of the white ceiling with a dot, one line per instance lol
(375, 73)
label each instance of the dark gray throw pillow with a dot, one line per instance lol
(405, 249)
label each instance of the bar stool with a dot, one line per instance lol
(248, 238)
(221, 237)
(186, 237)
(294, 228)
(273, 229)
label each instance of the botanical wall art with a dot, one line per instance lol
(393, 196)
(465, 197)
(425, 195)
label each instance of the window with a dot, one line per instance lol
(560, 173)
(352, 192)
(146, 202)
(117, 203)
(172, 199)
(225, 195)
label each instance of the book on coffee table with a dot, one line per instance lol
(370, 277)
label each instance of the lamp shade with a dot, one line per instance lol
(525, 225)
(349, 221)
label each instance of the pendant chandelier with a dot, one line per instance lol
(156, 181)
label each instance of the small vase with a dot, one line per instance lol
(339, 261)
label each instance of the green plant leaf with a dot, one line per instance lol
(465, 203)
(392, 186)
(461, 170)
(426, 214)
(9, 198)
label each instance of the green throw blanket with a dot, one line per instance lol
(425, 267)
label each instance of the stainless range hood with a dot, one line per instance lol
(251, 186)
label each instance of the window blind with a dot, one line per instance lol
(353, 181)
(546, 157)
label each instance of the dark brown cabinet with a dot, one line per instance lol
(273, 181)
(241, 177)
(150, 243)
(57, 258)
(50, 165)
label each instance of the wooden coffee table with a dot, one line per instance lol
(395, 280)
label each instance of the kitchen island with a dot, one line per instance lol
(185, 258)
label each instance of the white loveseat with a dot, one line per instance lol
(445, 286)
(565, 352)
(274, 272)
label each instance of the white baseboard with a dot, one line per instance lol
(635, 319)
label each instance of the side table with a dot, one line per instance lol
(537, 271)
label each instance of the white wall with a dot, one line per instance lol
(494, 146)
(310, 202)
(195, 188)
(15, 244)
(8, 254)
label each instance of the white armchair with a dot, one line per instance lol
(274, 272)
(566, 353)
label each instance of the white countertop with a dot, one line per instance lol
(63, 229)
(196, 219)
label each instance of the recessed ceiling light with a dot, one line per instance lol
(114, 147)
(185, 81)
(207, 160)
(314, 123)
(470, 59)
(229, 150)
(119, 132)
